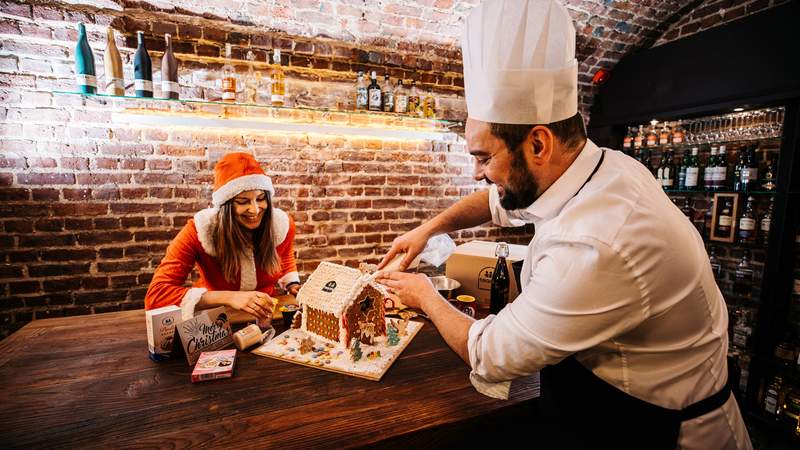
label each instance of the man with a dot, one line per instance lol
(619, 309)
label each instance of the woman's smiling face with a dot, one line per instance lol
(249, 208)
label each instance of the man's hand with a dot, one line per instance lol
(414, 290)
(255, 303)
(411, 243)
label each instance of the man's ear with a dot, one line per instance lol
(541, 140)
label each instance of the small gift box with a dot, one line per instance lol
(214, 365)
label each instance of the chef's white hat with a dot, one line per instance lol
(519, 62)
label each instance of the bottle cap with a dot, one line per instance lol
(501, 251)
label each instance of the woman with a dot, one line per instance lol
(242, 248)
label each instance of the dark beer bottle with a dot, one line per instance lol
(500, 280)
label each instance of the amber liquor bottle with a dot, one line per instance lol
(500, 280)
(278, 89)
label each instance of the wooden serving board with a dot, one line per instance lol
(286, 347)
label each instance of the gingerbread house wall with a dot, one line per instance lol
(322, 324)
(353, 314)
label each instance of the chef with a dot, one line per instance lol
(619, 310)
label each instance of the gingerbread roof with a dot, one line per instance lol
(332, 287)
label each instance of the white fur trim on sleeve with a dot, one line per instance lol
(290, 277)
(190, 301)
(280, 225)
(255, 182)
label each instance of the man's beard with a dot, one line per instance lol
(522, 187)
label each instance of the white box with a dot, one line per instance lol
(161, 330)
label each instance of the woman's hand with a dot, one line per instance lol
(293, 289)
(254, 303)
(412, 289)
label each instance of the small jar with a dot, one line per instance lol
(466, 304)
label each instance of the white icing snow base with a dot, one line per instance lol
(326, 356)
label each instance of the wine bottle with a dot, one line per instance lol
(169, 72)
(84, 64)
(142, 69)
(113, 67)
(692, 171)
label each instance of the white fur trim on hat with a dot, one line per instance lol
(255, 182)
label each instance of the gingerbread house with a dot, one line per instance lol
(339, 303)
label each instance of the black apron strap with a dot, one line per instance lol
(706, 405)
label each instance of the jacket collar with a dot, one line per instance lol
(566, 186)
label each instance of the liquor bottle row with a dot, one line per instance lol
(744, 275)
(740, 126)
(393, 98)
(716, 172)
(114, 84)
(779, 397)
(253, 88)
(751, 226)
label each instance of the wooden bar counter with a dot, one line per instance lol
(86, 381)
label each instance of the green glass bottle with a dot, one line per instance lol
(84, 64)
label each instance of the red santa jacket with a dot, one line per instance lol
(193, 246)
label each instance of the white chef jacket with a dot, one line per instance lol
(617, 276)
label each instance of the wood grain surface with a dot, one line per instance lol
(86, 382)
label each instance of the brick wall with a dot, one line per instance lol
(88, 206)
(707, 14)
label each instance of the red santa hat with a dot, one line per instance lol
(236, 173)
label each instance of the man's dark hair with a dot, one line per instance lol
(571, 132)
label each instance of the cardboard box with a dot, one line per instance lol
(214, 365)
(208, 330)
(472, 264)
(161, 331)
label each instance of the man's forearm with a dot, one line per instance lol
(470, 211)
(451, 323)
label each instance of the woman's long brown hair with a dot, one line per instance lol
(231, 241)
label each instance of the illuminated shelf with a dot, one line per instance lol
(212, 114)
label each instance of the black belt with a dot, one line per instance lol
(706, 405)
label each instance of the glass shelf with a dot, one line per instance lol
(742, 245)
(217, 114)
(706, 192)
